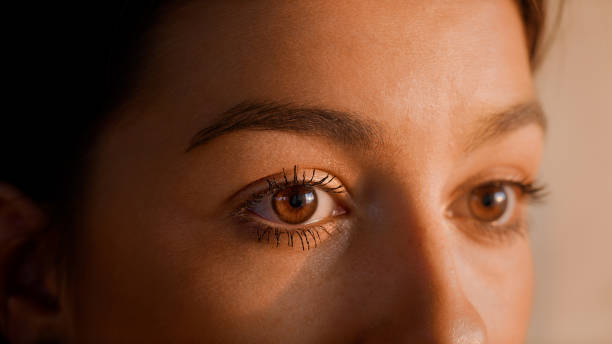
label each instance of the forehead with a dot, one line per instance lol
(397, 61)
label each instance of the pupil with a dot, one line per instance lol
(487, 200)
(297, 200)
(493, 198)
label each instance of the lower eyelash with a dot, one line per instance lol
(519, 228)
(306, 238)
(505, 233)
(301, 233)
(302, 237)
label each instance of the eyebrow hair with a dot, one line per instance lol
(499, 124)
(347, 128)
(341, 127)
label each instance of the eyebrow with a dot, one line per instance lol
(344, 128)
(349, 129)
(496, 125)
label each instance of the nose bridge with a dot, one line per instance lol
(449, 315)
(432, 306)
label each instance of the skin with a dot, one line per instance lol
(159, 259)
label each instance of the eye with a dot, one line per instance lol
(496, 207)
(302, 209)
(491, 203)
(297, 205)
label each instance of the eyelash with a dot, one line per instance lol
(274, 186)
(264, 232)
(534, 190)
(269, 232)
(308, 236)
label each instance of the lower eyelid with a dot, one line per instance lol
(509, 227)
(505, 233)
(302, 238)
(490, 233)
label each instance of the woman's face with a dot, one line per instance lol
(315, 172)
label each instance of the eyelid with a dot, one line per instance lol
(324, 200)
(508, 174)
(264, 229)
(515, 225)
(261, 187)
(521, 189)
(488, 233)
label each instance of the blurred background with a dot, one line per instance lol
(572, 230)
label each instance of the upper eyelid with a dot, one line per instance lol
(491, 232)
(321, 183)
(525, 193)
(459, 197)
(319, 179)
(259, 185)
(516, 176)
(261, 194)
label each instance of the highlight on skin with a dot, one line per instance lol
(296, 172)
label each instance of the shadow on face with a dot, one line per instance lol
(314, 171)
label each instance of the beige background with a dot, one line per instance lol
(572, 231)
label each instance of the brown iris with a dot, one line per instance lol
(488, 203)
(295, 204)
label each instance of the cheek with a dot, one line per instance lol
(253, 292)
(498, 280)
(194, 279)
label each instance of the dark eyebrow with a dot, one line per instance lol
(499, 124)
(342, 127)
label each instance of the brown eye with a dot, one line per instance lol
(488, 203)
(295, 204)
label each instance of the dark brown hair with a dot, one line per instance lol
(533, 15)
(70, 73)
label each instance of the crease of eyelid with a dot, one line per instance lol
(499, 174)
